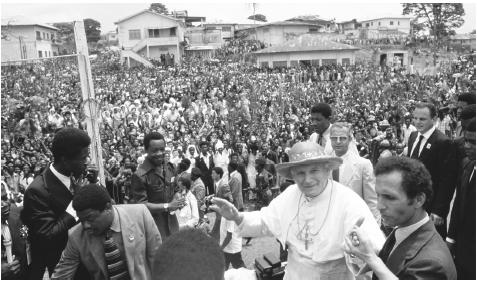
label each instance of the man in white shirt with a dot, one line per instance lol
(407, 129)
(437, 152)
(320, 118)
(231, 244)
(356, 171)
(413, 250)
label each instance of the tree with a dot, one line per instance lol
(65, 31)
(441, 19)
(258, 17)
(159, 8)
(93, 30)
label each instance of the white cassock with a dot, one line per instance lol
(314, 230)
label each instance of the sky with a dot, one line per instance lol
(230, 11)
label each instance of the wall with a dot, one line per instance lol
(297, 56)
(403, 26)
(143, 22)
(30, 45)
(273, 35)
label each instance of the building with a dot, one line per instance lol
(396, 58)
(350, 28)
(277, 33)
(325, 25)
(23, 38)
(147, 34)
(227, 29)
(463, 41)
(385, 27)
(307, 49)
(202, 42)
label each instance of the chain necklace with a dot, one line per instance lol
(308, 235)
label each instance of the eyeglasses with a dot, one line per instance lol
(338, 139)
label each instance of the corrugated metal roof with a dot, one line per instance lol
(295, 23)
(21, 20)
(307, 42)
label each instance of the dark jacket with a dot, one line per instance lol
(44, 212)
(439, 157)
(462, 223)
(155, 186)
(206, 172)
(18, 242)
(422, 255)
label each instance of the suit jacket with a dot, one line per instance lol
(462, 223)
(141, 240)
(439, 157)
(44, 212)
(223, 190)
(422, 255)
(357, 174)
(235, 184)
(18, 242)
(206, 172)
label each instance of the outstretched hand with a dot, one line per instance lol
(226, 210)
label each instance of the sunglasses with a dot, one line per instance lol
(338, 139)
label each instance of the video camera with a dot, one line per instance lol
(269, 267)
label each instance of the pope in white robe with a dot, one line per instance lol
(311, 217)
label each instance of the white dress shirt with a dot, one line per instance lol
(426, 136)
(402, 233)
(66, 181)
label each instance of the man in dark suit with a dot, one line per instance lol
(461, 236)
(414, 249)
(48, 211)
(436, 151)
(13, 234)
(205, 162)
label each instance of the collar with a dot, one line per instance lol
(427, 134)
(403, 232)
(219, 181)
(64, 179)
(115, 225)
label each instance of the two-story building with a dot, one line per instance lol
(147, 34)
(277, 33)
(385, 27)
(26, 39)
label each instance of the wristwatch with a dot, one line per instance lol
(166, 206)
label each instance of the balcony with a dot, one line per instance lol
(161, 41)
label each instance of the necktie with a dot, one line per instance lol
(117, 267)
(388, 246)
(415, 153)
(320, 139)
(336, 174)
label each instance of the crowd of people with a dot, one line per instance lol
(224, 125)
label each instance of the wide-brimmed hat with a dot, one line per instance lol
(306, 153)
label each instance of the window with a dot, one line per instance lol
(379, 23)
(226, 28)
(367, 24)
(52, 36)
(315, 62)
(328, 61)
(313, 30)
(391, 23)
(399, 23)
(264, 64)
(173, 31)
(153, 33)
(40, 54)
(38, 35)
(134, 34)
(293, 63)
(372, 23)
(345, 61)
(44, 35)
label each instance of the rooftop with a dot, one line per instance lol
(277, 23)
(147, 11)
(462, 36)
(307, 42)
(22, 21)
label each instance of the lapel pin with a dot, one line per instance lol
(131, 237)
(428, 146)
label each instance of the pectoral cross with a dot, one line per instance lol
(307, 239)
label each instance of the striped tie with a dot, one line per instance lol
(117, 267)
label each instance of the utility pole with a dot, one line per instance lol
(90, 105)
